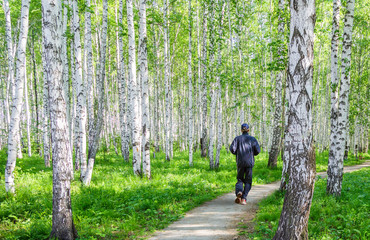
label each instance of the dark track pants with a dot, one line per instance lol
(244, 176)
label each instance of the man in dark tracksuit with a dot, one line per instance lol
(245, 147)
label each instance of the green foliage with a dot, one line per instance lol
(322, 160)
(344, 217)
(118, 205)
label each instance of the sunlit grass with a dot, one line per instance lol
(117, 204)
(344, 217)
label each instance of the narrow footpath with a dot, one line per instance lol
(219, 218)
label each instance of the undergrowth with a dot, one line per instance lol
(117, 204)
(344, 217)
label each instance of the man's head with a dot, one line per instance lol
(245, 127)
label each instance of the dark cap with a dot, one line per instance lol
(245, 126)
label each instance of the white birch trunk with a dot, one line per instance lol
(143, 62)
(88, 81)
(94, 144)
(157, 103)
(297, 203)
(80, 91)
(167, 84)
(46, 129)
(13, 139)
(27, 109)
(333, 152)
(65, 79)
(122, 82)
(45, 111)
(190, 79)
(135, 113)
(62, 222)
(276, 137)
(204, 99)
(218, 89)
(335, 167)
(9, 42)
(213, 91)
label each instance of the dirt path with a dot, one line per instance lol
(219, 218)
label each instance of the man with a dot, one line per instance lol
(245, 147)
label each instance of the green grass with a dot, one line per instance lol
(344, 217)
(118, 205)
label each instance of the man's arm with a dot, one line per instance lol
(234, 146)
(256, 147)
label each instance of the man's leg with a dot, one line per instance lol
(247, 182)
(239, 183)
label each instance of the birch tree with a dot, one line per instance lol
(62, 221)
(66, 88)
(218, 87)
(213, 91)
(88, 81)
(14, 128)
(167, 123)
(27, 110)
(143, 62)
(333, 153)
(276, 135)
(299, 142)
(190, 79)
(135, 114)
(335, 166)
(9, 44)
(204, 108)
(45, 106)
(80, 90)
(98, 121)
(122, 90)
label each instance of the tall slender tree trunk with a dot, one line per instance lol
(45, 110)
(284, 152)
(143, 62)
(27, 110)
(80, 90)
(46, 128)
(9, 44)
(335, 167)
(190, 79)
(122, 83)
(276, 137)
(156, 97)
(32, 49)
(66, 88)
(333, 153)
(14, 128)
(94, 144)
(299, 141)
(218, 88)
(135, 89)
(88, 81)
(167, 82)
(204, 100)
(62, 222)
(213, 91)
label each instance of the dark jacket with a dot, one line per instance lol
(245, 147)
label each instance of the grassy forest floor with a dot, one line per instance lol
(118, 205)
(344, 217)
